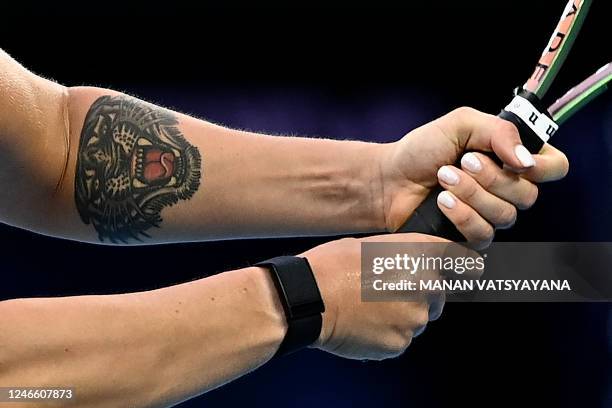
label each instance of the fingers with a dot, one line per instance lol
(474, 130)
(436, 305)
(551, 165)
(469, 223)
(481, 197)
(499, 213)
(510, 187)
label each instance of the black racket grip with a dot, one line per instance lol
(429, 219)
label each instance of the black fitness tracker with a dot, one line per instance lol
(301, 300)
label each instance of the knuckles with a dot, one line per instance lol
(463, 219)
(462, 115)
(399, 338)
(421, 317)
(485, 235)
(506, 216)
(396, 345)
(489, 178)
(529, 199)
(481, 236)
(564, 165)
(469, 191)
(463, 112)
(507, 129)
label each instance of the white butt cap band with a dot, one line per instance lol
(543, 126)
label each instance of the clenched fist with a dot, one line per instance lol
(356, 329)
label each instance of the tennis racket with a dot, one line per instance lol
(535, 123)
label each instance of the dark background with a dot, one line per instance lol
(370, 71)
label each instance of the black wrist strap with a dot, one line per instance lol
(301, 300)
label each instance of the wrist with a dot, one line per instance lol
(344, 187)
(369, 168)
(301, 300)
(269, 305)
(391, 187)
(400, 193)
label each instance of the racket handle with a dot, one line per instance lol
(429, 219)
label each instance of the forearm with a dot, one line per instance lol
(152, 349)
(93, 164)
(96, 165)
(215, 183)
(286, 186)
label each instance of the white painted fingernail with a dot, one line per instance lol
(447, 175)
(524, 156)
(446, 199)
(470, 161)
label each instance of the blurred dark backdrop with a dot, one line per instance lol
(358, 70)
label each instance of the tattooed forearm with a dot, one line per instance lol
(132, 162)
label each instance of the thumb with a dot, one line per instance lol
(475, 130)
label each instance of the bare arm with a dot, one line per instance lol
(113, 168)
(157, 348)
(153, 349)
(33, 144)
(96, 165)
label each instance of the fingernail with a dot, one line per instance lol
(446, 199)
(524, 156)
(447, 175)
(470, 161)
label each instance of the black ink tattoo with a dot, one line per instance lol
(132, 162)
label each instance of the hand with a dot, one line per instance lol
(365, 330)
(480, 196)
